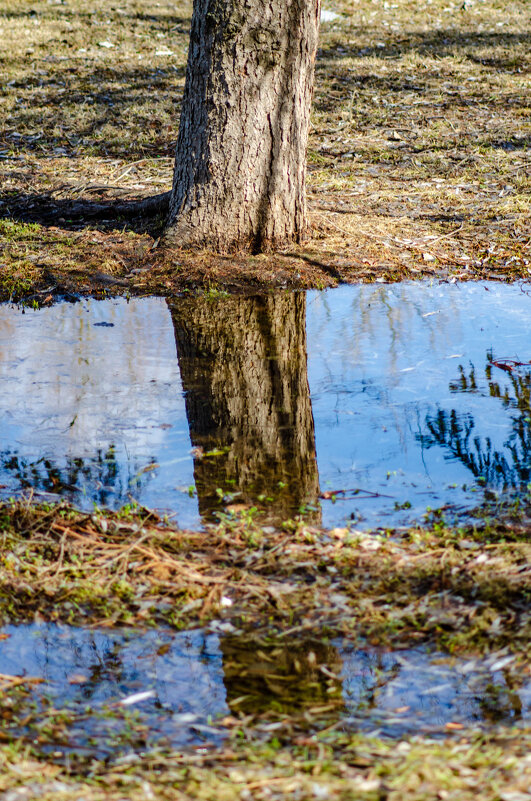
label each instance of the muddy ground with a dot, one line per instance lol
(418, 157)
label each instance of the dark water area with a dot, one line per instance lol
(124, 689)
(363, 404)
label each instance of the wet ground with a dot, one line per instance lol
(364, 404)
(104, 691)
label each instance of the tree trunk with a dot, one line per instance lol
(239, 180)
(244, 375)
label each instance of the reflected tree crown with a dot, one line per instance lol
(506, 467)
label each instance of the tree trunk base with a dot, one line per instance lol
(240, 163)
(186, 236)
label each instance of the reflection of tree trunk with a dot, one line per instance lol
(243, 369)
(287, 677)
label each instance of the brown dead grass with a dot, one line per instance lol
(115, 569)
(418, 160)
(422, 133)
(132, 568)
(290, 763)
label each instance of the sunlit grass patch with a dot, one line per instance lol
(419, 108)
(12, 230)
(17, 278)
(420, 120)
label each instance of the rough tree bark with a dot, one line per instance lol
(239, 180)
(244, 375)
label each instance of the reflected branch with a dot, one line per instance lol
(103, 479)
(507, 467)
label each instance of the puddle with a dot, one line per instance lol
(407, 401)
(116, 690)
(171, 684)
(400, 692)
(88, 410)
(385, 399)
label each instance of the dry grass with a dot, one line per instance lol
(273, 767)
(133, 568)
(422, 136)
(419, 153)
(464, 589)
(288, 764)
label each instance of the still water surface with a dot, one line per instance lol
(391, 398)
(179, 685)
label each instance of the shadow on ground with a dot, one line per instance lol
(140, 216)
